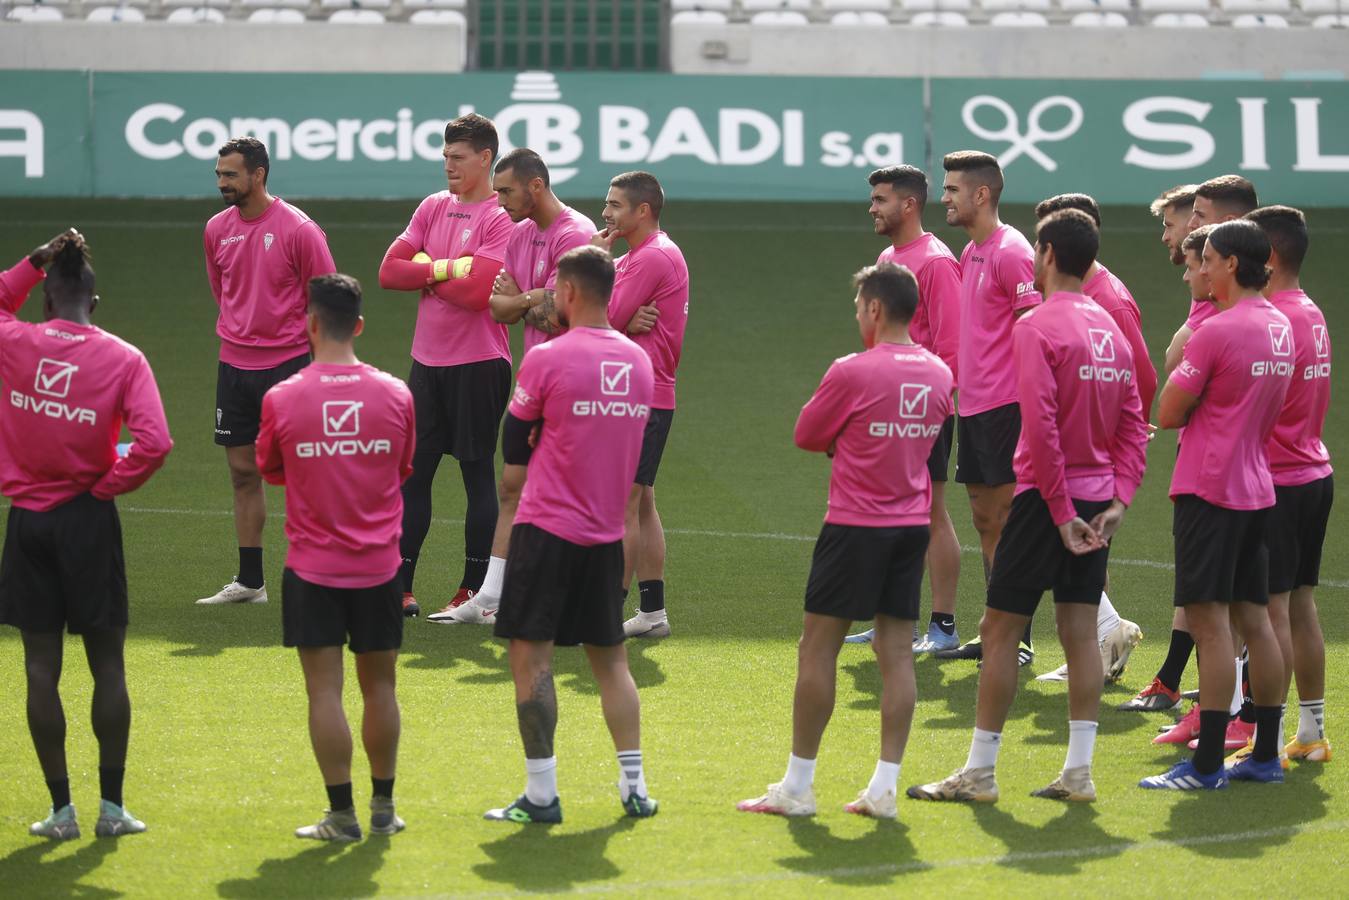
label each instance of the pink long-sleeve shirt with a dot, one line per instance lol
(69, 389)
(936, 322)
(1083, 435)
(880, 411)
(1112, 296)
(259, 271)
(340, 438)
(654, 272)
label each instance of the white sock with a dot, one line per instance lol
(1107, 619)
(1311, 721)
(800, 775)
(541, 786)
(984, 749)
(883, 780)
(490, 593)
(1237, 696)
(1081, 743)
(630, 777)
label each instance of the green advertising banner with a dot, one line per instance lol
(707, 137)
(381, 136)
(45, 135)
(1125, 141)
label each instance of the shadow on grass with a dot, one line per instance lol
(1058, 847)
(1245, 820)
(535, 858)
(57, 877)
(875, 858)
(326, 870)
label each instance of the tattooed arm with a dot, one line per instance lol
(543, 313)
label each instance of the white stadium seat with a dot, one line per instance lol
(1254, 6)
(779, 17)
(438, 17)
(1072, 6)
(834, 6)
(1175, 6)
(916, 6)
(356, 17)
(1259, 20)
(273, 4)
(438, 4)
(172, 4)
(276, 17)
(752, 6)
(1179, 20)
(1312, 7)
(199, 15)
(115, 14)
(1099, 20)
(356, 4)
(698, 17)
(994, 6)
(701, 5)
(943, 19)
(1018, 20)
(1330, 22)
(860, 18)
(34, 14)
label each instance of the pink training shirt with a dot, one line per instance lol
(70, 388)
(340, 438)
(654, 272)
(997, 281)
(1296, 452)
(1083, 435)
(259, 271)
(1239, 365)
(532, 255)
(446, 228)
(936, 322)
(592, 389)
(1112, 296)
(880, 411)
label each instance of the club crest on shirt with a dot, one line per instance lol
(267, 241)
(539, 267)
(464, 236)
(615, 378)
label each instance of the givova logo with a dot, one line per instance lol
(29, 146)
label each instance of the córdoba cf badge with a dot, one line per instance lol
(267, 241)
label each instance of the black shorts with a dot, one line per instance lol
(860, 572)
(64, 568)
(562, 592)
(238, 399)
(940, 457)
(985, 444)
(368, 619)
(1031, 559)
(459, 408)
(1295, 529)
(1220, 553)
(653, 446)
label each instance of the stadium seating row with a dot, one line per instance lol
(358, 12)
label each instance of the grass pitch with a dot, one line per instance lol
(220, 764)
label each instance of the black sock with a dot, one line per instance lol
(1177, 658)
(475, 573)
(60, 791)
(416, 512)
(1247, 711)
(339, 797)
(480, 518)
(1026, 637)
(407, 572)
(1208, 756)
(110, 784)
(651, 596)
(945, 621)
(381, 787)
(1267, 732)
(250, 567)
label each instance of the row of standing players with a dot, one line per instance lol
(970, 193)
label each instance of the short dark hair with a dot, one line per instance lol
(1246, 241)
(1233, 193)
(909, 179)
(1084, 202)
(336, 300)
(894, 287)
(1178, 197)
(980, 166)
(526, 164)
(591, 269)
(252, 150)
(641, 187)
(1286, 229)
(71, 267)
(1195, 240)
(478, 131)
(1074, 237)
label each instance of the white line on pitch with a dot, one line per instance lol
(698, 532)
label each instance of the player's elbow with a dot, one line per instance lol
(387, 279)
(1169, 416)
(503, 310)
(154, 449)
